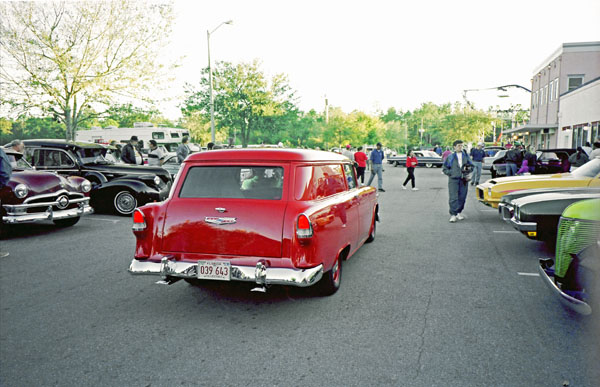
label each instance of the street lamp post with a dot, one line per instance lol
(210, 82)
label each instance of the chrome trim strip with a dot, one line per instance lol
(523, 226)
(572, 303)
(12, 207)
(83, 209)
(273, 275)
(57, 193)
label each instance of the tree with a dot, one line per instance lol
(72, 59)
(247, 104)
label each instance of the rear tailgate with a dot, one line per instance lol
(215, 213)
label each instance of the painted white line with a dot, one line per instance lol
(489, 210)
(507, 232)
(529, 274)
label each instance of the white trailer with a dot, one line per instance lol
(170, 138)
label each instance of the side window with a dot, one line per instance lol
(51, 158)
(349, 171)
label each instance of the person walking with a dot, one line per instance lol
(531, 159)
(348, 152)
(155, 156)
(477, 155)
(130, 153)
(596, 152)
(578, 158)
(376, 159)
(182, 150)
(513, 159)
(411, 163)
(360, 158)
(455, 167)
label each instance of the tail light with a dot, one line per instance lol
(139, 222)
(303, 227)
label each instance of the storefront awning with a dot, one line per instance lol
(530, 128)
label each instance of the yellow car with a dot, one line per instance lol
(490, 192)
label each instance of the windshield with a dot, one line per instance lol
(589, 169)
(93, 156)
(18, 162)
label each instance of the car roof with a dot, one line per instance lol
(266, 155)
(56, 143)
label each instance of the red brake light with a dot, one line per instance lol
(139, 222)
(303, 227)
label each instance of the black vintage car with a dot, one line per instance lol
(115, 187)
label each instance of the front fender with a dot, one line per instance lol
(106, 192)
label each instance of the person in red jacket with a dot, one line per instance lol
(361, 159)
(411, 163)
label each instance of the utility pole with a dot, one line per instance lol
(326, 110)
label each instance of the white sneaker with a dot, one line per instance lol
(415, 189)
(453, 219)
(403, 187)
(460, 217)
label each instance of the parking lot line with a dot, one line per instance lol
(529, 274)
(507, 231)
(489, 210)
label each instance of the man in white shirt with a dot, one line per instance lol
(155, 156)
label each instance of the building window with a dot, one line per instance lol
(575, 81)
(546, 94)
(595, 127)
(556, 94)
(551, 84)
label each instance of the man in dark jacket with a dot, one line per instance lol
(130, 154)
(514, 157)
(477, 155)
(454, 167)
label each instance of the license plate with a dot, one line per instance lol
(214, 270)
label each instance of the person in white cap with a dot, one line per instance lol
(477, 155)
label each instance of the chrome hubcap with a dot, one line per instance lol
(125, 202)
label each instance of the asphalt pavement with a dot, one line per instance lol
(429, 303)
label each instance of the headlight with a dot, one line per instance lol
(21, 191)
(490, 191)
(86, 186)
(157, 180)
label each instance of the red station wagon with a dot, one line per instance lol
(273, 217)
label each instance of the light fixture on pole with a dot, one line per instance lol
(210, 82)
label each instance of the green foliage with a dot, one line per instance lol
(32, 127)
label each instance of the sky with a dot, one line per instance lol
(372, 55)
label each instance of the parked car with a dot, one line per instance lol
(537, 216)
(505, 207)
(488, 161)
(574, 274)
(115, 187)
(548, 161)
(490, 192)
(425, 158)
(272, 217)
(34, 196)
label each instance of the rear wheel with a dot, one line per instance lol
(66, 222)
(371, 237)
(428, 165)
(330, 283)
(124, 203)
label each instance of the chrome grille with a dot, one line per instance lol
(573, 236)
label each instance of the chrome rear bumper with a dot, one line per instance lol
(258, 274)
(13, 216)
(572, 303)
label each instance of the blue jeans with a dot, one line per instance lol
(511, 169)
(476, 172)
(457, 195)
(376, 169)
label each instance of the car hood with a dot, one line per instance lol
(40, 182)
(537, 191)
(555, 196)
